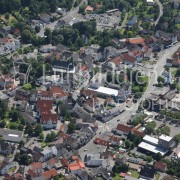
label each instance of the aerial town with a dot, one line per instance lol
(89, 90)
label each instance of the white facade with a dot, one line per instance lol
(49, 125)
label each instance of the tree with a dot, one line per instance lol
(27, 86)
(71, 127)
(127, 144)
(158, 157)
(150, 127)
(177, 138)
(165, 130)
(2, 124)
(38, 130)
(26, 36)
(14, 115)
(160, 80)
(3, 108)
(41, 137)
(149, 159)
(7, 15)
(50, 137)
(117, 168)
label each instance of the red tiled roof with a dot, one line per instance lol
(160, 166)
(50, 174)
(84, 68)
(114, 138)
(31, 173)
(127, 57)
(64, 162)
(137, 133)
(63, 135)
(46, 117)
(52, 161)
(58, 92)
(91, 102)
(117, 60)
(101, 142)
(61, 128)
(87, 93)
(74, 158)
(123, 128)
(76, 166)
(36, 165)
(44, 105)
(46, 94)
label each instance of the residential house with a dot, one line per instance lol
(63, 66)
(34, 23)
(75, 168)
(91, 104)
(176, 4)
(82, 114)
(93, 160)
(53, 163)
(101, 172)
(50, 174)
(45, 95)
(5, 166)
(132, 21)
(122, 129)
(167, 39)
(89, 9)
(101, 141)
(47, 48)
(58, 94)
(150, 2)
(45, 18)
(167, 77)
(87, 94)
(7, 83)
(147, 172)
(177, 19)
(47, 154)
(37, 167)
(160, 166)
(14, 176)
(6, 148)
(45, 113)
(129, 59)
(110, 52)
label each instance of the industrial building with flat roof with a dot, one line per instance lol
(161, 145)
(105, 91)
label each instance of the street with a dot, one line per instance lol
(126, 115)
(68, 15)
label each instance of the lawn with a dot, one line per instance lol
(12, 169)
(117, 177)
(157, 176)
(134, 174)
(173, 71)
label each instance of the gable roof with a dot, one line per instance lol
(159, 165)
(127, 57)
(36, 165)
(49, 116)
(76, 166)
(58, 92)
(50, 174)
(147, 171)
(123, 128)
(44, 105)
(46, 94)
